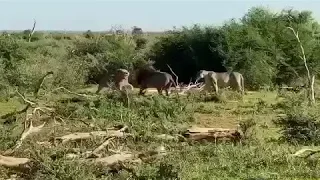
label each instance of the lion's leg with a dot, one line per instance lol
(141, 91)
(100, 87)
(216, 86)
(167, 92)
(160, 91)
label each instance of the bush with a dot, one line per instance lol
(189, 50)
(102, 57)
(300, 129)
(300, 123)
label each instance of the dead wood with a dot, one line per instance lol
(177, 80)
(102, 146)
(114, 159)
(40, 83)
(88, 135)
(213, 134)
(303, 57)
(77, 94)
(306, 152)
(32, 31)
(27, 132)
(15, 163)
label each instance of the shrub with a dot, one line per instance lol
(102, 57)
(189, 50)
(300, 129)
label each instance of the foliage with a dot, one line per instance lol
(300, 129)
(300, 125)
(260, 46)
(189, 50)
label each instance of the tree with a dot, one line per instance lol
(136, 30)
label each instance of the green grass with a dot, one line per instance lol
(258, 156)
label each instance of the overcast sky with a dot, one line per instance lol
(150, 15)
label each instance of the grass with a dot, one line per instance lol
(259, 157)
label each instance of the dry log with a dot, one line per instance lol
(88, 135)
(20, 164)
(115, 159)
(213, 134)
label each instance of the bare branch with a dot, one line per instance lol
(102, 146)
(40, 82)
(174, 75)
(303, 57)
(27, 132)
(32, 31)
(24, 99)
(82, 95)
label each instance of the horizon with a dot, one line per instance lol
(151, 16)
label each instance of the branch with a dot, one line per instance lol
(174, 75)
(32, 31)
(296, 34)
(24, 99)
(27, 132)
(311, 80)
(70, 92)
(40, 82)
(102, 146)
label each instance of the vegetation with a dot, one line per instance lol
(259, 45)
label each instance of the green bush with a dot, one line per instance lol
(189, 50)
(300, 129)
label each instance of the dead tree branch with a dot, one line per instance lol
(27, 132)
(70, 92)
(40, 83)
(88, 135)
(32, 31)
(177, 78)
(303, 57)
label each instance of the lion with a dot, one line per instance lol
(120, 80)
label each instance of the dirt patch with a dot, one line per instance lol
(208, 120)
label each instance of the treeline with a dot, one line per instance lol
(259, 45)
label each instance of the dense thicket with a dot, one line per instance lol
(259, 45)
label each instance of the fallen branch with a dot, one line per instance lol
(305, 153)
(77, 94)
(214, 134)
(40, 83)
(102, 146)
(14, 162)
(24, 99)
(88, 135)
(27, 132)
(115, 159)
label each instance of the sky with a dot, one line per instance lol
(151, 15)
